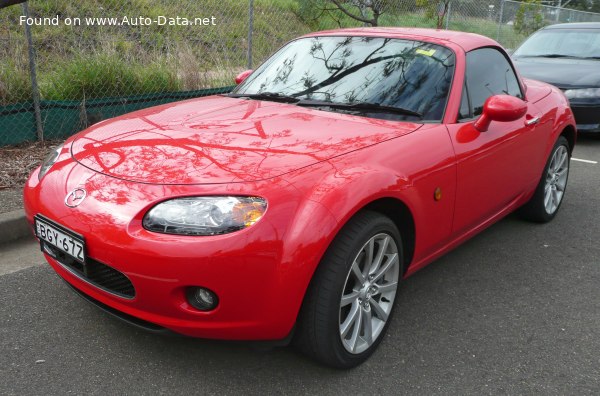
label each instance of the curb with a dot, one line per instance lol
(13, 226)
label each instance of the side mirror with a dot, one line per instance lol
(502, 108)
(242, 76)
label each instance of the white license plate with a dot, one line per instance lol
(61, 238)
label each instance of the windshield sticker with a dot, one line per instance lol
(429, 52)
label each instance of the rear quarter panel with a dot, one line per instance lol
(555, 115)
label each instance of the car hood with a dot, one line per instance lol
(563, 73)
(222, 140)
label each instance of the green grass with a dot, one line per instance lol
(81, 77)
(92, 62)
(15, 84)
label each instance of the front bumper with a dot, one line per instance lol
(260, 284)
(130, 320)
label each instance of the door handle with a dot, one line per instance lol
(532, 121)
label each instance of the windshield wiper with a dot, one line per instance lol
(366, 106)
(558, 56)
(274, 96)
(547, 56)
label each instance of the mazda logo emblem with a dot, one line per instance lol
(75, 197)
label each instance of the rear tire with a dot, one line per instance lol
(350, 300)
(549, 194)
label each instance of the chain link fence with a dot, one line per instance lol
(95, 59)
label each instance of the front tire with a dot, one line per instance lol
(551, 189)
(350, 300)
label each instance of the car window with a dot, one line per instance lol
(576, 43)
(404, 74)
(489, 73)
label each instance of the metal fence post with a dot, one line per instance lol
(32, 73)
(250, 31)
(448, 15)
(500, 21)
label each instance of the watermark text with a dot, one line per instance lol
(160, 20)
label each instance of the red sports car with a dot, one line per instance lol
(291, 208)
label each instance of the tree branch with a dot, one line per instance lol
(338, 76)
(372, 22)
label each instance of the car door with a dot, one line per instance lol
(493, 167)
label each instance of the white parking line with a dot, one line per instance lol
(583, 160)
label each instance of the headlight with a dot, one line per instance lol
(50, 160)
(586, 93)
(204, 215)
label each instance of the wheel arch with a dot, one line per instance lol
(571, 135)
(400, 214)
(393, 208)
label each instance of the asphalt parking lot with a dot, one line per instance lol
(515, 310)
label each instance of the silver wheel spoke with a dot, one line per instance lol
(356, 330)
(393, 259)
(550, 204)
(357, 273)
(350, 320)
(555, 196)
(349, 298)
(388, 287)
(374, 267)
(552, 163)
(548, 197)
(379, 311)
(367, 326)
(563, 159)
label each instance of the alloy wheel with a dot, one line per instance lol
(369, 293)
(556, 179)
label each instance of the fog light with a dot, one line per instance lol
(202, 299)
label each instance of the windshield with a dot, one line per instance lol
(409, 75)
(576, 43)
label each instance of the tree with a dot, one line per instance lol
(365, 7)
(364, 11)
(529, 17)
(368, 12)
(435, 9)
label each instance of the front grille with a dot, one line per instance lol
(586, 114)
(94, 272)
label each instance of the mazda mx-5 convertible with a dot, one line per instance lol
(291, 208)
